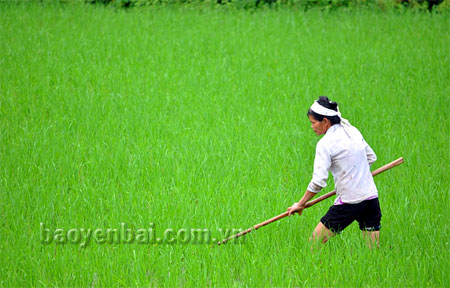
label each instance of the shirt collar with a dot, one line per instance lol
(333, 128)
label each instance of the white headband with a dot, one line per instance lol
(319, 109)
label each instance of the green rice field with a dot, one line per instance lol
(137, 121)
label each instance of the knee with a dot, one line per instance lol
(318, 235)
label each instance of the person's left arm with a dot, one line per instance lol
(371, 156)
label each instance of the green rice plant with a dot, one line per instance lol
(195, 118)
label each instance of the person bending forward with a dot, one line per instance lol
(343, 151)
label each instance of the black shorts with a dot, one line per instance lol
(367, 213)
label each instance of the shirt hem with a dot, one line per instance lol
(339, 201)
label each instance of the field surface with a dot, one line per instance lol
(196, 119)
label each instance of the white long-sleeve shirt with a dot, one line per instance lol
(345, 153)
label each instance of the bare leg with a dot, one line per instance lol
(321, 234)
(372, 238)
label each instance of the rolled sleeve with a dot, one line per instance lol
(322, 163)
(314, 188)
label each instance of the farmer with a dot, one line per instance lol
(343, 151)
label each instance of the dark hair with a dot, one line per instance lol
(327, 103)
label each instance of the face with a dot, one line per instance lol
(319, 127)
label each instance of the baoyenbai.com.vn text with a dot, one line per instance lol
(128, 235)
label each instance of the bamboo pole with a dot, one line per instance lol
(309, 204)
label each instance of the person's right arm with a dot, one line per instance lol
(322, 164)
(300, 205)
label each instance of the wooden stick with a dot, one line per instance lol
(309, 204)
